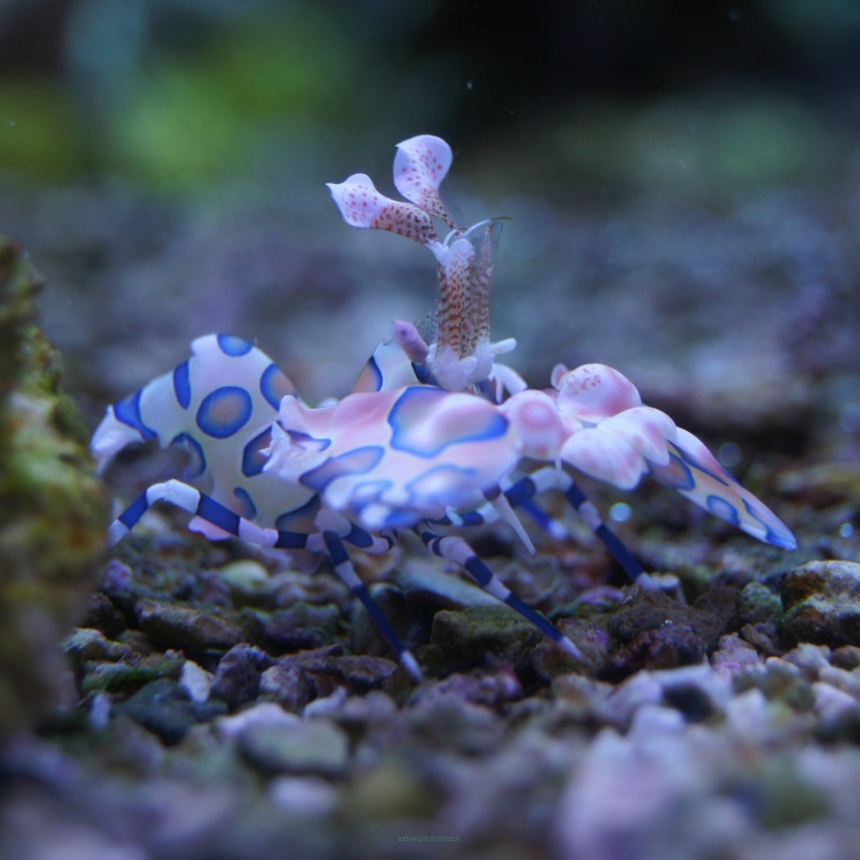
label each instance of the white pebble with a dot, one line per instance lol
(266, 713)
(304, 796)
(196, 681)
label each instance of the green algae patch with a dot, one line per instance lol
(52, 509)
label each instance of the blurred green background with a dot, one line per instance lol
(682, 180)
(179, 95)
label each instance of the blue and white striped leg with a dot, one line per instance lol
(346, 573)
(522, 494)
(553, 526)
(611, 541)
(454, 548)
(345, 529)
(545, 479)
(192, 500)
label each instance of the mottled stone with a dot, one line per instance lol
(330, 705)
(194, 630)
(358, 712)
(652, 720)
(848, 682)
(757, 603)
(763, 637)
(319, 666)
(162, 708)
(582, 696)
(360, 674)
(656, 632)
(633, 797)
(838, 723)
(130, 673)
(847, 657)
(733, 654)
(307, 747)
(102, 615)
(390, 791)
(492, 690)
(810, 658)
(306, 797)
(263, 713)
(248, 583)
(444, 720)
(780, 682)
(88, 644)
(303, 626)
(289, 686)
(319, 589)
(696, 691)
(470, 637)
(821, 602)
(195, 681)
(621, 705)
(237, 678)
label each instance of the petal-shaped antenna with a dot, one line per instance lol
(420, 165)
(605, 457)
(644, 428)
(363, 206)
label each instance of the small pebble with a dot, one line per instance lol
(832, 704)
(811, 658)
(621, 704)
(303, 796)
(266, 713)
(327, 705)
(195, 681)
(307, 747)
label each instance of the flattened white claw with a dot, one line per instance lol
(605, 457)
(644, 428)
(696, 447)
(595, 391)
(695, 473)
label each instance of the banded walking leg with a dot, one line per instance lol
(522, 493)
(454, 548)
(192, 500)
(347, 575)
(611, 541)
(189, 499)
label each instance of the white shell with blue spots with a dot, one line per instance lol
(390, 458)
(219, 406)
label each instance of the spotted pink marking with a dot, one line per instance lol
(361, 205)
(595, 391)
(420, 165)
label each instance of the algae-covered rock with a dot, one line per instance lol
(52, 510)
(822, 604)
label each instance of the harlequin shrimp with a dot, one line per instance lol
(431, 437)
